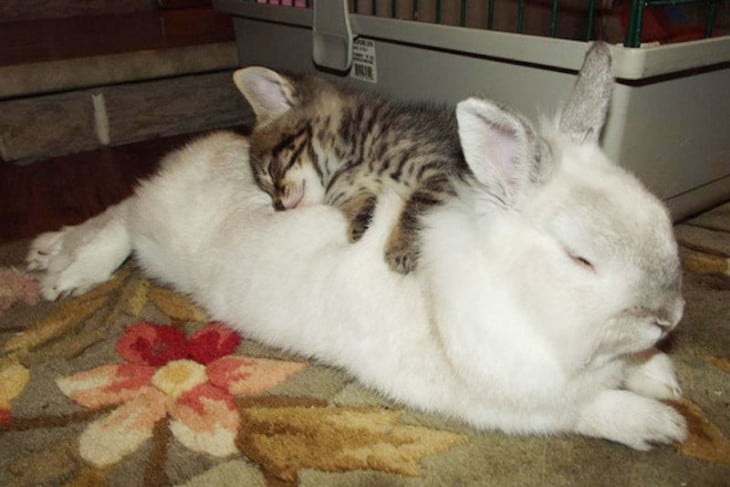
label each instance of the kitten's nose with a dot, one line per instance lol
(278, 205)
(290, 195)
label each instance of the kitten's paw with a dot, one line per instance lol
(357, 229)
(360, 212)
(636, 421)
(43, 248)
(653, 376)
(402, 260)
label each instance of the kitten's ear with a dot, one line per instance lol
(585, 113)
(270, 94)
(500, 147)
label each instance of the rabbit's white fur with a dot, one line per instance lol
(542, 291)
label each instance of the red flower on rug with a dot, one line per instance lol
(190, 380)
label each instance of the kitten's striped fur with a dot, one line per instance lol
(314, 142)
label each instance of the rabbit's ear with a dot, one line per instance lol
(500, 147)
(586, 110)
(269, 93)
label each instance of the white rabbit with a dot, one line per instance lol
(543, 289)
(557, 274)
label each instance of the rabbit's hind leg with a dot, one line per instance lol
(76, 258)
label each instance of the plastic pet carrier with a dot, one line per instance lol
(670, 114)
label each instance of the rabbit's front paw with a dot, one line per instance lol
(636, 421)
(652, 375)
(43, 248)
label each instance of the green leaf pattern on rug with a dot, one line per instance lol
(704, 263)
(705, 440)
(55, 461)
(137, 297)
(175, 305)
(721, 363)
(16, 285)
(13, 379)
(286, 439)
(69, 314)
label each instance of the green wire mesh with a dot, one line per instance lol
(636, 13)
(636, 17)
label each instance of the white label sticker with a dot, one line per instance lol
(363, 61)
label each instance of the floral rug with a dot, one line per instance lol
(130, 384)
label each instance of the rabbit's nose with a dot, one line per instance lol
(665, 325)
(671, 313)
(676, 309)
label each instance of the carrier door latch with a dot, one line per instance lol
(332, 35)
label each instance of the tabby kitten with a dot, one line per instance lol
(314, 142)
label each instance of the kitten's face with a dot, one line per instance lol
(288, 115)
(282, 162)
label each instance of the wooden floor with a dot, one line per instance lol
(67, 190)
(54, 39)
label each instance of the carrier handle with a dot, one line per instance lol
(332, 35)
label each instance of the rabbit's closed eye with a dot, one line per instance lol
(579, 258)
(582, 261)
